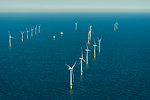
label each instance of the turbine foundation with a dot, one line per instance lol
(53, 37)
(87, 62)
(81, 73)
(9, 45)
(70, 87)
(94, 56)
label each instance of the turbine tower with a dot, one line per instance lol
(10, 37)
(87, 50)
(99, 42)
(94, 49)
(22, 36)
(27, 33)
(31, 32)
(39, 29)
(71, 74)
(88, 38)
(76, 26)
(81, 59)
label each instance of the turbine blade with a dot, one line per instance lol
(79, 63)
(74, 64)
(94, 40)
(67, 65)
(81, 52)
(84, 60)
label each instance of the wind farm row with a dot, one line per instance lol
(37, 30)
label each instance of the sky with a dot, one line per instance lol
(73, 5)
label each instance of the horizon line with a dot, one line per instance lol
(71, 10)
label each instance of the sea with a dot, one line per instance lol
(35, 69)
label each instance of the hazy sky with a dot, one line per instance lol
(73, 5)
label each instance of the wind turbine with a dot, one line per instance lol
(39, 29)
(94, 49)
(27, 33)
(89, 34)
(71, 73)
(36, 30)
(116, 26)
(22, 36)
(76, 26)
(87, 50)
(10, 37)
(81, 59)
(99, 42)
(31, 32)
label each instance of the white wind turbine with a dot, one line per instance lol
(27, 33)
(94, 49)
(39, 29)
(10, 37)
(81, 59)
(99, 42)
(36, 30)
(87, 50)
(89, 34)
(71, 74)
(31, 32)
(76, 26)
(22, 36)
(116, 26)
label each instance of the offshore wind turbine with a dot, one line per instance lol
(10, 37)
(90, 31)
(36, 30)
(22, 36)
(94, 49)
(99, 42)
(27, 33)
(87, 50)
(31, 32)
(81, 59)
(39, 29)
(76, 26)
(116, 26)
(89, 34)
(71, 73)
